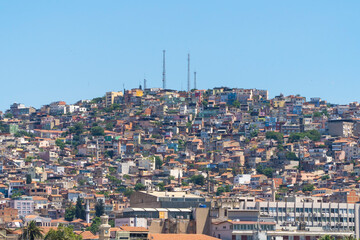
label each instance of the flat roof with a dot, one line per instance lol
(172, 194)
(157, 210)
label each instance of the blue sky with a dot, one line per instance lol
(71, 50)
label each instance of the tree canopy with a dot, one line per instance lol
(275, 136)
(198, 179)
(62, 233)
(32, 231)
(313, 135)
(97, 131)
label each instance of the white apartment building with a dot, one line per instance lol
(296, 218)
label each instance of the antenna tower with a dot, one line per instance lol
(195, 80)
(164, 73)
(188, 75)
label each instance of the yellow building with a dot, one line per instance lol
(110, 96)
(138, 92)
(279, 104)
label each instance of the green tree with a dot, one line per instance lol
(62, 233)
(77, 129)
(22, 133)
(28, 179)
(220, 190)
(161, 186)
(99, 208)
(291, 156)
(198, 179)
(60, 144)
(97, 131)
(254, 133)
(327, 237)
(109, 126)
(98, 100)
(313, 135)
(32, 231)
(114, 180)
(184, 184)
(308, 187)
(8, 115)
(325, 177)
(112, 222)
(349, 238)
(128, 192)
(4, 128)
(69, 213)
(317, 114)
(80, 209)
(236, 104)
(158, 162)
(94, 227)
(16, 194)
(139, 187)
(277, 136)
(266, 171)
(109, 153)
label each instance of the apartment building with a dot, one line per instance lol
(110, 97)
(341, 128)
(24, 205)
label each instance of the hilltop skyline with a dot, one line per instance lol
(77, 50)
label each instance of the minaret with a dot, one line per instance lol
(104, 228)
(273, 191)
(87, 212)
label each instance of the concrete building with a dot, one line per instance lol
(24, 205)
(152, 199)
(340, 128)
(297, 218)
(110, 97)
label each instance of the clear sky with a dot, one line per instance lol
(79, 49)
